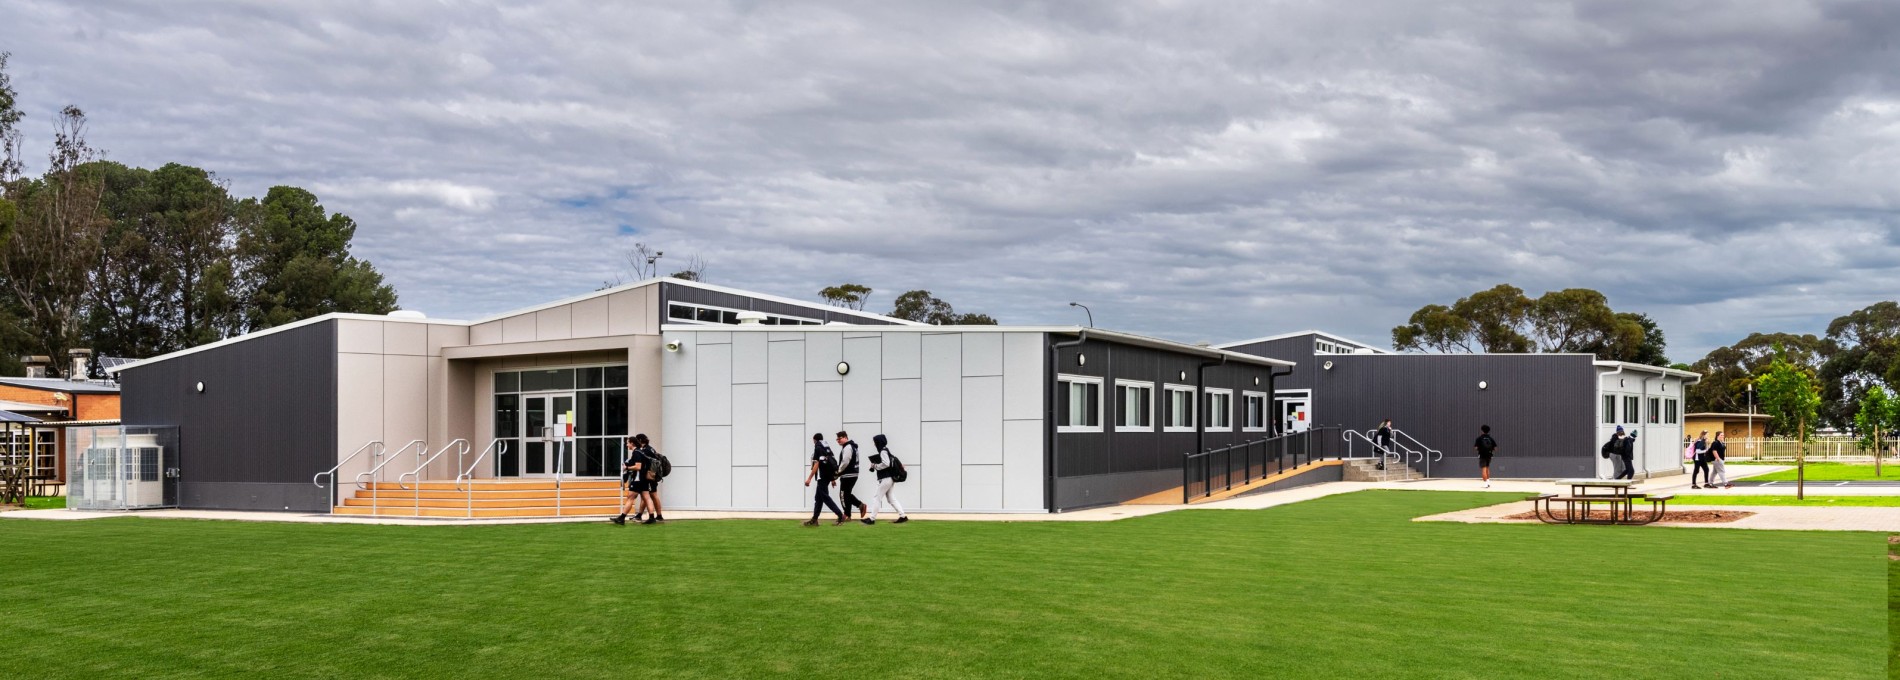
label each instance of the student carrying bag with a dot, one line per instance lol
(898, 473)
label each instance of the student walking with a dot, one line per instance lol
(1485, 446)
(848, 475)
(1384, 439)
(1702, 458)
(889, 470)
(1718, 461)
(653, 468)
(824, 466)
(633, 477)
(1624, 449)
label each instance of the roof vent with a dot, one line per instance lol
(1362, 350)
(37, 365)
(751, 318)
(407, 314)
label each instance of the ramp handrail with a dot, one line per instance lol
(1426, 454)
(374, 443)
(375, 473)
(461, 446)
(1206, 472)
(500, 447)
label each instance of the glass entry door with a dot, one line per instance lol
(546, 424)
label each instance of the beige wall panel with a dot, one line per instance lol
(443, 335)
(406, 406)
(643, 388)
(554, 324)
(631, 311)
(590, 318)
(485, 334)
(405, 338)
(359, 415)
(518, 328)
(354, 336)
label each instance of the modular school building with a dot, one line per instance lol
(529, 409)
(1549, 412)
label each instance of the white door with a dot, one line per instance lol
(1294, 414)
(547, 441)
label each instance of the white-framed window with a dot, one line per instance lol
(1177, 408)
(1609, 409)
(1670, 412)
(1329, 347)
(1655, 410)
(1219, 407)
(1253, 411)
(695, 313)
(1078, 403)
(1630, 404)
(1134, 406)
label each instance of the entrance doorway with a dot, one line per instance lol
(547, 422)
(1295, 409)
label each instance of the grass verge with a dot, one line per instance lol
(1829, 472)
(1344, 586)
(1811, 501)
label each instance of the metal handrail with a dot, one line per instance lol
(468, 473)
(1243, 463)
(1435, 453)
(556, 443)
(374, 443)
(375, 487)
(1395, 454)
(461, 445)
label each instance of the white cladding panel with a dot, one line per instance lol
(962, 409)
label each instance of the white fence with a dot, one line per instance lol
(1819, 448)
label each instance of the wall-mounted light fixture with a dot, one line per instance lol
(672, 345)
(1328, 365)
(200, 387)
(1184, 375)
(1482, 385)
(1256, 380)
(1081, 359)
(843, 368)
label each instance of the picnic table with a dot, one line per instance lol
(1615, 495)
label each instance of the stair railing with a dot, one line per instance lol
(1388, 456)
(376, 444)
(467, 473)
(1426, 454)
(547, 434)
(375, 474)
(461, 448)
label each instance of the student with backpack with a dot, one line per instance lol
(1384, 439)
(652, 468)
(633, 482)
(1718, 462)
(1702, 458)
(848, 475)
(890, 471)
(824, 466)
(1485, 446)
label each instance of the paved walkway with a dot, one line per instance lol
(1764, 517)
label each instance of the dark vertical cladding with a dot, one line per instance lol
(264, 424)
(1098, 468)
(675, 293)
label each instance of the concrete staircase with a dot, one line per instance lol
(1367, 470)
(487, 498)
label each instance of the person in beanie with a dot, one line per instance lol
(848, 475)
(881, 463)
(824, 466)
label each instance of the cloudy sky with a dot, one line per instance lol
(1198, 171)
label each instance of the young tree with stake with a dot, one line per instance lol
(1876, 417)
(1791, 396)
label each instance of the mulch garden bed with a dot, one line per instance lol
(1684, 516)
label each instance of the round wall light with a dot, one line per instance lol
(843, 368)
(200, 386)
(1328, 365)
(1482, 384)
(1256, 380)
(1184, 375)
(1081, 359)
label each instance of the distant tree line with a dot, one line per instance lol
(137, 262)
(916, 305)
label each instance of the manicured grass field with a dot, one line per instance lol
(45, 502)
(1789, 500)
(1831, 472)
(1345, 586)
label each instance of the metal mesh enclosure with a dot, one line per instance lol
(121, 467)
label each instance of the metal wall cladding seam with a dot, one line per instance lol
(267, 413)
(1127, 463)
(1540, 407)
(673, 293)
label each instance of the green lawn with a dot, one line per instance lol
(45, 502)
(1832, 472)
(1789, 500)
(1345, 586)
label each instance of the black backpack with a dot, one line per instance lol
(1608, 447)
(898, 473)
(661, 466)
(827, 466)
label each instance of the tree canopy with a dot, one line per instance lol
(921, 306)
(1505, 319)
(296, 262)
(847, 295)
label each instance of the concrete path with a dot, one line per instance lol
(1764, 517)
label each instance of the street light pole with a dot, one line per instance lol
(1751, 420)
(1085, 308)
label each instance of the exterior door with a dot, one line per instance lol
(547, 422)
(1294, 414)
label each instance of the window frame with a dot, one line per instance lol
(1655, 410)
(1246, 398)
(1062, 382)
(1207, 408)
(1631, 405)
(1167, 406)
(1608, 416)
(1121, 405)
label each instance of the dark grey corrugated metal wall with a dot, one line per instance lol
(1096, 468)
(1541, 408)
(265, 423)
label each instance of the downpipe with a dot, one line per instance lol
(1049, 419)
